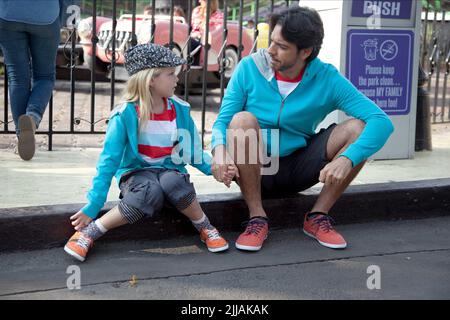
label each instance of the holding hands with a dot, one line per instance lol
(223, 167)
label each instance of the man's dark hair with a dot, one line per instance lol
(301, 26)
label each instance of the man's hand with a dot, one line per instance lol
(80, 220)
(336, 171)
(223, 167)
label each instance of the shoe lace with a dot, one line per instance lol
(254, 227)
(213, 234)
(324, 223)
(84, 242)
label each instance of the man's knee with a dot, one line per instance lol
(244, 120)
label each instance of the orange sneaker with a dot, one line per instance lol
(213, 240)
(78, 246)
(254, 235)
(319, 227)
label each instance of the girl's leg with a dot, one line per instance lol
(142, 196)
(113, 219)
(110, 220)
(83, 240)
(198, 218)
(181, 193)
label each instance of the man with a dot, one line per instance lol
(287, 88)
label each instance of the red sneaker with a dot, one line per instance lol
(213, 240)
(78, 246)
(254, 235)
(319, 227)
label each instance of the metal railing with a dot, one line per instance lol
(435, 59)
(111, 43)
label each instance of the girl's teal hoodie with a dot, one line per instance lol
(120, 151)
(253, 88)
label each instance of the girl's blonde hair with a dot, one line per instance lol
(137, 90)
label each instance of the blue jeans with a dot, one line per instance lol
(30, 54)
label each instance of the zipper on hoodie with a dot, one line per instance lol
(283, 100)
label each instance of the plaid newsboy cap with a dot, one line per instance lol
(150, 55)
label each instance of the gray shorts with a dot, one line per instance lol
(144, 192)
(301, 169)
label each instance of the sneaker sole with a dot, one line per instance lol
(218, 249)
(328, 245)
(27, 144)
(249, 248)
(74, 254)
(225, 247)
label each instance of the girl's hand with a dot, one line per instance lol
(80, 220)
(223, 167)
(232, 171)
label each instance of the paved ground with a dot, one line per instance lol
(413, 258)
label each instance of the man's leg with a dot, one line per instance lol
(342, 136)
(317, 224)
(243, 125)
(250, 173)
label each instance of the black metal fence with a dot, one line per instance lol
(435, 58)
(113, 42)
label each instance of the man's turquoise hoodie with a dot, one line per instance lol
(120, 151)
(322, 90)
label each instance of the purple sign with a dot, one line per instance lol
(379, 63)
(387, 9)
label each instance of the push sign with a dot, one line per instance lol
(387, 9)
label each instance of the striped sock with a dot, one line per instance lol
(201, 223)
(94, 230)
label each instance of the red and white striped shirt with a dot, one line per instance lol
(286, 86)
(157, 138)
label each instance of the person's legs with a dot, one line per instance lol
(43, 48)
(141, 196)
(317, 223)
(242, 149)
(80, 243)
(300, 170)
(342, 136)
(244, 144)
(14, 42)
(180, 192)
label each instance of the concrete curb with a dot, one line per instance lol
(43, 227)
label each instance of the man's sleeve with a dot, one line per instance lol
(378, 126)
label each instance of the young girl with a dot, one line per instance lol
(140, 147)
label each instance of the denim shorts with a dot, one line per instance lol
(148, 190)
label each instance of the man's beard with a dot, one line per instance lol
(285, 67)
